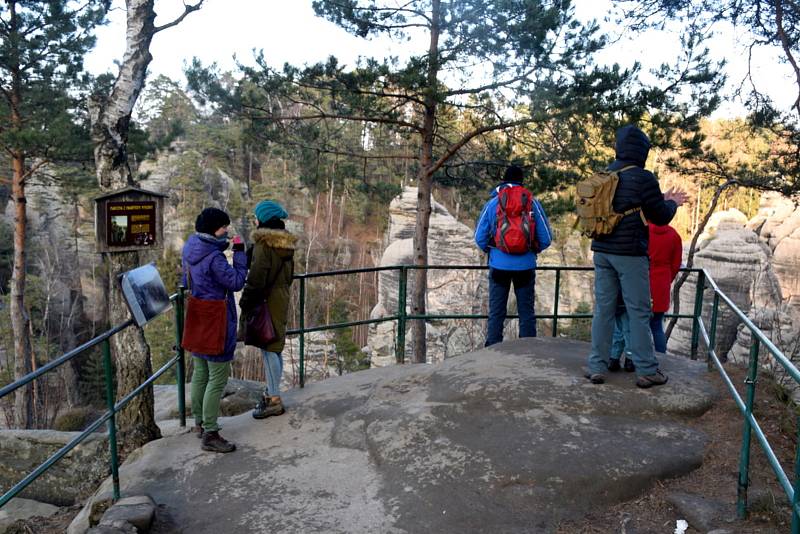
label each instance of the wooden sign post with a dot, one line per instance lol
(129, 219)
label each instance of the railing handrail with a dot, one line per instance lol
(757, 338)
(30, 377)
(72, 353)
(762, 338)
(113, 406)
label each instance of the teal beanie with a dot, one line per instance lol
(269, 209)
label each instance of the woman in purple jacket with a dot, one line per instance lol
(213, 278)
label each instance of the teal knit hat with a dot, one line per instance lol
(269, 209)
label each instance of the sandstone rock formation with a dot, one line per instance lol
(69, 481)
(740, 264)
(507, 439)
(458, 292)
(756, 264)
(18, 508)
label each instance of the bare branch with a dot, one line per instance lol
(187, 8)
(352, 118)
(487, 87)
(471, 135)
(322, 149)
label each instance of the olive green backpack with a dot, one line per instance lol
(594, 200)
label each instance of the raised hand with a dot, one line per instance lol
(678, 196)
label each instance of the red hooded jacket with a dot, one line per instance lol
(665, 250)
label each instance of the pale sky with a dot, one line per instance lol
(288, 31)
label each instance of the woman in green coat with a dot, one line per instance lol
(270, 276)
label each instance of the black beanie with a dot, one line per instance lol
(514, 174)
(210, 220)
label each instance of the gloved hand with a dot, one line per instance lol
(238, 244)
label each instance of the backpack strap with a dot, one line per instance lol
(632, 210)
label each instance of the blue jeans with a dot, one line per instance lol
(622, 334)
(499, 286)
(273, 369)
(631, 276)
(657, 328)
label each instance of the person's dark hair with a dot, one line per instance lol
(274, 223)
(514, 173)
(210, 220)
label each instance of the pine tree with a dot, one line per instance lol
(42, 44)
(503, 65)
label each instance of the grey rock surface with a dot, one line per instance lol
(507, 439)
(139, 511)
(701, 513)
(70, 480)
(17, 509)
(116, 527)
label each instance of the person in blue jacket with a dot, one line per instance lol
(209, 276)
(506, 269)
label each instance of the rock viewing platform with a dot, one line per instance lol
(506, 439)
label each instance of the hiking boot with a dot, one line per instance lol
(595, 378)
(268, 406)
(198, 429)
(213, 442)
(613, 365)
(648, 381)
(629, 367)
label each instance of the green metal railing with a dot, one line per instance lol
(699, 331)
(402, 317)
(109, 417)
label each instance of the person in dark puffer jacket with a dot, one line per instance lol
(621, 262)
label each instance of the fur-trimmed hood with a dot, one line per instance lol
(280, 239)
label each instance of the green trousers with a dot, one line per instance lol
(208, 383)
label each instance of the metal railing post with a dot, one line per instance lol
(180, 372)
(555, 302)
(712, 334)
(698, 311)
(400, 349)
(112, 422)
(744, 458)
(302, 324)
(796, 498)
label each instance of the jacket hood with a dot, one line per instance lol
(632, 145)
(198, 246)
(280, 239)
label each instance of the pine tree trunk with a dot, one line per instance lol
(23, 398)
(20, 321)
(110, 122)
(424, 185)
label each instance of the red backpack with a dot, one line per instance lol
(516, 228)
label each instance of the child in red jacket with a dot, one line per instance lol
(665, 250)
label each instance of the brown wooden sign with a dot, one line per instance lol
(129, 219)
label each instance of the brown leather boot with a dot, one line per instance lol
(268, 406)
(213, 442)
(198, 429)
